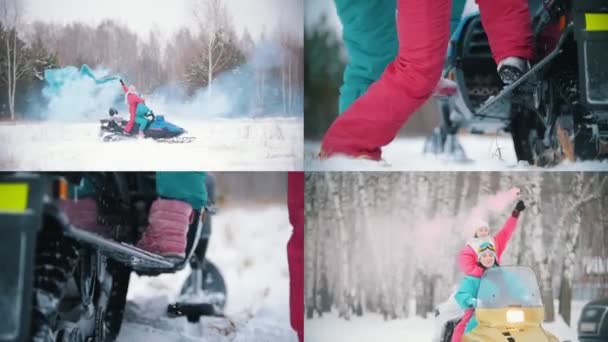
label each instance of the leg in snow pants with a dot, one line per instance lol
(140, 118)
(295, 251)
(422, 29)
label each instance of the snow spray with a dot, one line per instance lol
(435, 232)
(489, 205)
(72, 94)
(240, 92)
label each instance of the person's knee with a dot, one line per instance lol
(419, 77)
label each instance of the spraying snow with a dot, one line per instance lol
(73, 95)
(485, 153)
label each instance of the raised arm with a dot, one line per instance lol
(504, 235)
(124, 87)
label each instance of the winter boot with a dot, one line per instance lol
(445, 87)
(168, 224)
(512, 68)
(83, 214)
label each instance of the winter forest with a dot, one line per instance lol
(266, 69)
(377, 241)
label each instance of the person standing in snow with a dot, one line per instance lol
(469, 258)
(295, 251)
(137, 109)
(394, 65)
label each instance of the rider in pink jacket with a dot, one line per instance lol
(468, 258)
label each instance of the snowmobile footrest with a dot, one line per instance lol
(529, 76)
(193, 311)
(129, 255)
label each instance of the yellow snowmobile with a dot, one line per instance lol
(509, 308)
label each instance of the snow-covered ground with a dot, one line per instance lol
(220, 145)
(405, 154)
(372, 327)
(249, 247)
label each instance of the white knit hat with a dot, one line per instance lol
(478, 223)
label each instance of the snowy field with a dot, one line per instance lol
(249, 247)
(220, 145)
(372, 327)
(405, 154)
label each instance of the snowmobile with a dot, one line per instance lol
(61, 282)
(509, 308)
(157, 128)
(557, 110)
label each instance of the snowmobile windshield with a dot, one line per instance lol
(502, 287)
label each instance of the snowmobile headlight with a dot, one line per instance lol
(515, 316)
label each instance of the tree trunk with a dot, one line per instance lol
(565, 299)
(14, 70)
(9, 73)
(538, 250)
(210, 69)
(344, 306)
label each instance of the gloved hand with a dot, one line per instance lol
(472, 302)
(121, 82)
(519, 207)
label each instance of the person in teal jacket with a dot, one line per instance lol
(466, 296)
(179, 194)
(469, 294)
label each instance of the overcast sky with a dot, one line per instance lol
(166, 16)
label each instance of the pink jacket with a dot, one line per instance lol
(132, 101)
(467, 258)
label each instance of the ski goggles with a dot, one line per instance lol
(486, 247)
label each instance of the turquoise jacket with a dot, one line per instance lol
(466, 296)
(184, 186)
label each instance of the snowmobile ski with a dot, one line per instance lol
(176, 140)
(192, 311)
(524, 83)
(134, 257)
(157, 129)
(113, 137)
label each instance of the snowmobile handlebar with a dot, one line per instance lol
(150, 116)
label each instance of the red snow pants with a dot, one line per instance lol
(462, 325)
(423, 27)
(295, 251)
